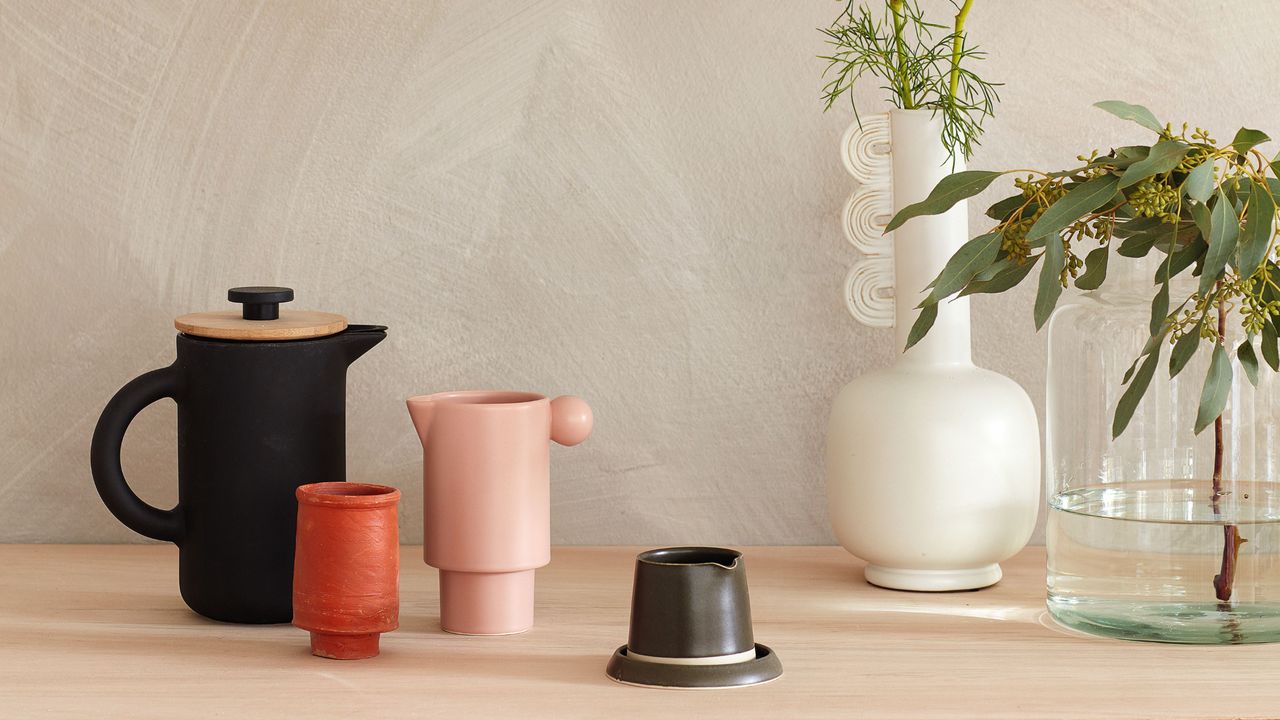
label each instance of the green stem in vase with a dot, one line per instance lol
(900, 53)
(957, 45)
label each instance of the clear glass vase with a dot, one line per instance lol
(1136, 539)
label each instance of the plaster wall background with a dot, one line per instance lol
(633, 201)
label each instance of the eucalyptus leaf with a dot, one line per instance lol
(1270, 352)
(1248, 361)
(1237, 192)
(1203, 219)
(1247, 138)
(1156, 340)
(1005, 279)
(972, 257)
(1165, 156)
(949, 191)
(1128, 374)
(1159, 308)
(1172, 238)
(1217, 386)
(1182, 259)
(1136, 246)
(1095, 271)
(993, 269)
(1259, 225)
(1133, 394)
(1111, 162)
(1006, 207)
(1270, 291)
(1132, 152)
(1050, 281)
(1135, 226)
(924, 321)
(1223, 232)
(1078, 202)
(1128, 155)
(1199, 183)
(1183, 351)
(1127, 111)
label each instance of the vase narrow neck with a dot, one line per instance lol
(922, 246)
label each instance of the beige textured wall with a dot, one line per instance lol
(632, 201)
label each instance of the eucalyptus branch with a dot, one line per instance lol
(1210, 208)
(1224, 581)
(1217, 432)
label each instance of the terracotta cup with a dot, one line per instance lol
(346, 571)
(691, 623)
(486, 482)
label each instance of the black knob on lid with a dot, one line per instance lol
(260, 303)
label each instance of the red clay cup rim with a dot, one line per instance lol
(345, 494)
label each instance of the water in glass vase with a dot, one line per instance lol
(1138, 561)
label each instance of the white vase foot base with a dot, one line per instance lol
(933, 580)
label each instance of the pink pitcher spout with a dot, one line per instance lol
(421, 410)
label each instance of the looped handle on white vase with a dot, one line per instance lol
(868, 288)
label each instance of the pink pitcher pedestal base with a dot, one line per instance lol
(478, 603)
(341, 646)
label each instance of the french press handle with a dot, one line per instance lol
(104, 456)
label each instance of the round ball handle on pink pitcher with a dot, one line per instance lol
(571, 420)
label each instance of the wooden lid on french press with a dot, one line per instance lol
(261, 318)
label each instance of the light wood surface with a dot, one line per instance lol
(231, 325)
(99, 631)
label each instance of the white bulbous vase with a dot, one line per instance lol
(933, 464)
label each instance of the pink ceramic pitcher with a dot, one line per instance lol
(486, 482)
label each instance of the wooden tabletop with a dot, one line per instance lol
(99, 631)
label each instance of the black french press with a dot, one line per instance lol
(261, 397)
